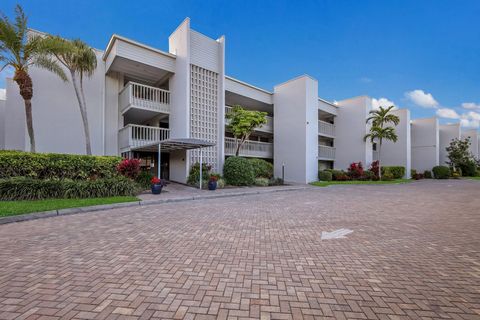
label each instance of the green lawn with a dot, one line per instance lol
(12, 208)
(329, 183)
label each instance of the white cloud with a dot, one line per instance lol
(381, 102)
(366, 80)
(471, 106)
(421, 98)
(467, 123)
(3, 94)
(447, 113)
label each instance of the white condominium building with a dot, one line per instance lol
(140, 96)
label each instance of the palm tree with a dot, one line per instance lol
(378, 132)
(81, 60)
(19, 50)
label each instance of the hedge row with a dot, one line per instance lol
(397, 172)
(24, 188)
(56, 166)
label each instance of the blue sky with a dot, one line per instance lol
(422, 54)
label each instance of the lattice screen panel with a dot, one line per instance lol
(204, 113)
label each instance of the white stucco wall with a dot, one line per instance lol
(113, 118)
(2, 124)
(399, 153)
(296, 129)
(473, 135)
(57, 121)
(179, 84)
(350, 129)
(448, 132)
(15, 126)
(425, 144)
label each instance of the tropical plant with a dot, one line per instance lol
(379, 130)
(242, 122)
(20, 50)
(80, 60)
(459, 155)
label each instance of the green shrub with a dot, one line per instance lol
(337, 173)
(56, 166)
(324, 175)
(441, 172)
(238, 171)
(477, 174)
(469, 168)
(261, 168)
(388, 176)
(23, 188)
(413, 173)
(220, 183)
(275, 182)
(369, 175)
(397, 172)
(194, 174)
(427, 174)
(144, 179)
(261, 182)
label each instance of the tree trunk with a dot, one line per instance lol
(379, 160)
(24, 82)
(83, 111)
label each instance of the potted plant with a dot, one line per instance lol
(212, 183)
(157, 185)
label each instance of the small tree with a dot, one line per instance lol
(242, 123)
(80, 60)
(21, 51)
(378, 132)
(459, 154)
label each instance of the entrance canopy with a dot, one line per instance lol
(175, 144)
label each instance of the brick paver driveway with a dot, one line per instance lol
(414, 253)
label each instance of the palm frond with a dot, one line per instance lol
(50, 64)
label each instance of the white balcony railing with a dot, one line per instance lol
(326, 152)
(140, 96)
(133, 135)
(326, 129)
(250, 148)
(267, 127)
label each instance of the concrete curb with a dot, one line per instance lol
(70, 211)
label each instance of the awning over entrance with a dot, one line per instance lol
(175, 144)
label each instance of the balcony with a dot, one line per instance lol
(267, 127)
(326, 129)
(255, 149)
(326, 153)
(134, 136)
(145, 98)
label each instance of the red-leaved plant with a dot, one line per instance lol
(355, 170)
(156, 180)
(374, 167)
(129, 168)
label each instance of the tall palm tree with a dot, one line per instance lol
(383, 116)
(378, 132)
(81, 60)
(19, 50)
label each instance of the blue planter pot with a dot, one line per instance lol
(212, 185)
(156, 188)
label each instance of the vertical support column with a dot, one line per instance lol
(159, 160)
(201, 165)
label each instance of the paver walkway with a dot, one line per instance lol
(414, 254)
